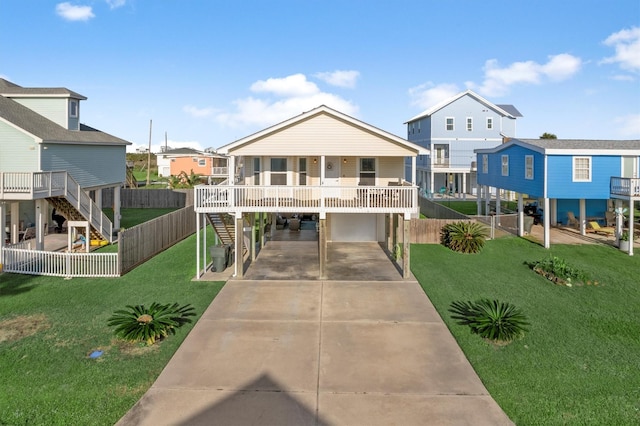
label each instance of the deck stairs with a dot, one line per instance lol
(65, 208)
(132, 182)
(224, 226)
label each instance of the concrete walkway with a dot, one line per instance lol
(318, 353)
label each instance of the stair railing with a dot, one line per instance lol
(87, 208)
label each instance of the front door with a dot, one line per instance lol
(332, 171)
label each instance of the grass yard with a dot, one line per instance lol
(133, 217)
(471, 207)
(578, 363)
(49, 326)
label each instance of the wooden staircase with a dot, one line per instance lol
(132, 182)
(224, 226)
(65, 208)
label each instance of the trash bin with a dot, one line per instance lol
(528, 223)
(219, 257)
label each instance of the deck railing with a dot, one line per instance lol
(219, 171)
(347, 199)
(38, 185)
(59, 264)
(629, 187)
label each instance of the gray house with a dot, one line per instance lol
(451, 131)
(48, 159)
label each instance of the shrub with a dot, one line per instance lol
(464, 237)
(557, 270)
(497, 321)
(141, 324)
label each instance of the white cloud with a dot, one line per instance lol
(290, 96)
(74, 13)
(629, 126)
(198, 112)
(293, 85)
(498, 80)
(427, 95)
(339, 78)
(114, 4)
(627, 46)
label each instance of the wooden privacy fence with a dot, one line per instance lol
(150, 198)
(141, 242)
(59, 264)
(427, 231)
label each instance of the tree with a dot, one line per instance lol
(546, 135)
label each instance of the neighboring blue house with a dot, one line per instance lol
(584, 177)
(452, 130)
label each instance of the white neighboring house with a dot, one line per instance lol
(347, 173)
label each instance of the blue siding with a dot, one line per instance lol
(516, 180)
(560, 177)
(91, 166)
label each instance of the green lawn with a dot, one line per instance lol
(48, 378)
(471, 207)
(132, 217)
(579, 362)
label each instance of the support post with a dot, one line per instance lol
(520, 215)
(198, 271)
(117, 204)
(239, 246)
(546, 226)
(322, 245)
(3, 225)
(41, 222)
(406, 242)
(583, 217)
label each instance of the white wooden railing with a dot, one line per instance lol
(59, 264)
(37, 185)
(370, 199)
(629, 187)
(219, 171)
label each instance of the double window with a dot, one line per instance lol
(485, 163)
(302, 171)
(256, 170)
(528, 167)
(368, 171)
(202, 162)
(505, 165)
(582, 169)
(449, 122)
(278, 171)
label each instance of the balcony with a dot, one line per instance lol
(17, 186)
(625, 187)
(219, 171)
(296, 199)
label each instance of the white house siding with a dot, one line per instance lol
(356, 227)
(321, 134)
(90, 166)
(55, 109)
(18, 151)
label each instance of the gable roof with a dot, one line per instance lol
(45, 130)
(326, 111)
(504, 110)
(9, 89)
(572, 146)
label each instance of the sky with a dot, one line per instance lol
(204, 73)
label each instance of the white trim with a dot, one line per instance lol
(485, 164)
(469, 124)
(446, 102)
(489, 125)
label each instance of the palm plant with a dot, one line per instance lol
(464, 237)
(500, 322)
(142, 324)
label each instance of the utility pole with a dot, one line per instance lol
(149, 156)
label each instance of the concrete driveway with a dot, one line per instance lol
(318, 353)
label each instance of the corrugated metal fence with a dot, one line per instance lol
(141, 242)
